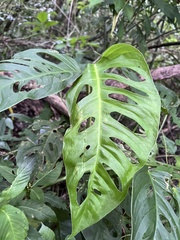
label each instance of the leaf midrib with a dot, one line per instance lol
(98, 119)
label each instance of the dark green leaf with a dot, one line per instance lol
(37, 210)
(54, 200)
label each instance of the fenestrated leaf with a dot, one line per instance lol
(13, 223)
(30, 65)
(37, 210)
(107, 143)
(153, 217)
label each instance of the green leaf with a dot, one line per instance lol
(31, 65)
(20, 182)
(42, 17)
(13, 223)
(46, 232)
(128, 11)
(109, 228)
(7, 173)
(169, 145)
(92, 3)
(51, 23)
(177, 160)
(37, 210)
(54, 200)
(153, 216)
(107, 147)
(37, 194)
(33, 234)
(49, 177)
(169, 10)
(4, 146)
(52, 147)
(2, 126)
(22, 117)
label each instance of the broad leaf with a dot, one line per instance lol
(7, 173)
(29, 65)
(153, 215)
(37, 194)
(49, 177)
(108, 228)
(37, 210)
(20, 182)
(46, 232)
(106, 149)
(13, 223)
(54, 200)
(33, 234)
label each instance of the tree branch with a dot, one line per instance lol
(168, 44)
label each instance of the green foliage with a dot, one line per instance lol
(153, 213)
(13, 223)
(93, 149)
(101, 154)
(50, 77)
(121, 172)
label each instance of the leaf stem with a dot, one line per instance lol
(59, 180)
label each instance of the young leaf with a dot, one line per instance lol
(42, 17)
(153, 217)
(13, 223)
(30, 65)
(106, 143)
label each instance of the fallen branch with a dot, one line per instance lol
(168, 72)
(58, 104)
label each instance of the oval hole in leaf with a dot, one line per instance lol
(130, 123)
(82, 188)
(83, 93)
(48, 57)
(165, 223)
(51, 147)
(119, 97)
(86, 148)
(129, 153)
(97, 192)
(15, 87)
(114, 177)
(86, 124)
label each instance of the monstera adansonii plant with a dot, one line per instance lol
(98, 145)
(112, 131)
